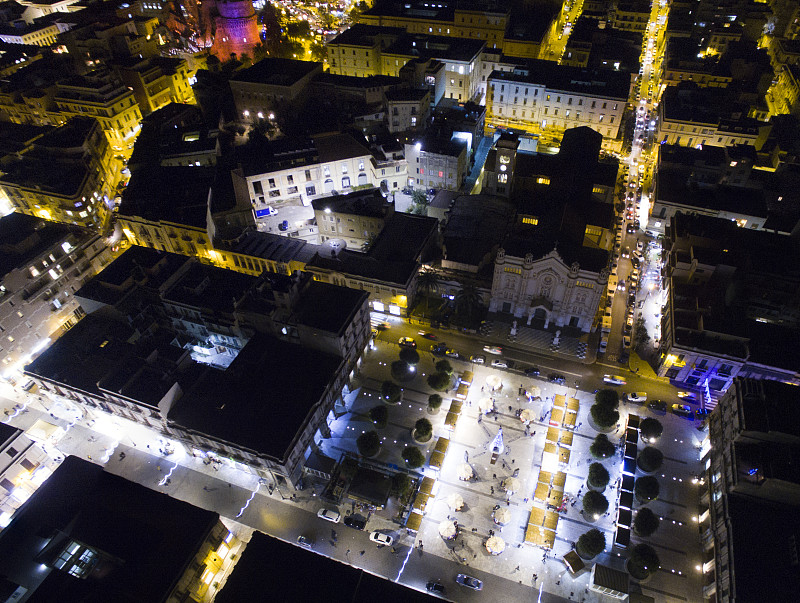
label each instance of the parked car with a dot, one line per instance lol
(658, 405)
(682, 410)
(626, 341)
(469, 582)
(439, 349)
(29, 385)
(426, 335)
(407, 342)
(499, 364)
(532, 371)
(614, 379)
(305, 541)
(435, 587)
(283, 226)
(637, 397)
(329, 515)
(451, 354)
(493, 349)
(478, 359)
(557, 378)
(701, 413)
(355, 522)
(374, 332)
(381, 538)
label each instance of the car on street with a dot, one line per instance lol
(532, 371)
(383, 326)
(469, 582)
(380, 538)
(375, 332)
(626, 341)
(637, 397)
(687, 395)
(478, 359)
(499, 364)
(701, 413)
(557, 378)
(426, 335)
(493, 349)
(329, 515)
(451, 354)
(438, 349)
(658, 405)
(614, 379)
(407, 342)
(682, 410)
(626, 253)
(305, 541)
(435, 587)
(356, 522)
(29, 385)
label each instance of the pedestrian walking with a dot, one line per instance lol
(492, 487)
(362, 553)
(494, 476)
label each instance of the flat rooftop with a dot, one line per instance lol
(151, 537)
(169, 194)
(368, 203)
(328, 307)
(596, 82)
(276, 72)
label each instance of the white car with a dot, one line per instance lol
(637, 397)
(499, 364)
(383, 539)
(329, 515)
(478, 359)
(614, 379)
(493, 349)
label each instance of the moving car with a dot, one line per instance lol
(329, 515)
(499, 364)
(682, 410)
(435, 587)
(426, 335)
(557, 378)
(407, 342)
(614, 379)
(493, 349)
(469, 582)
(380, 538)
(355, 522)
(637, 397)
(687, 395)
(701, 413)
(305, 541)
(478, 359)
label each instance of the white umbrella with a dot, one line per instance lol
(502, 516)
(535, 391)
(526, 416)
(485, 405)
(464, 472)
(511, 484)
(455, 501)
(447, 530)
(495, 545)
(494, 382)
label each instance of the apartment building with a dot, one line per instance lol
(37, 32)
(68, 175)
(633, 15)
(356, 218)
(545, 98)
(24, 466)
(157, 81)
(437, 160)
(471, 20)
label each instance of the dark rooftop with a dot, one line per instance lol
(262, 400)
(366, 202)
(150, 537)
(24, 237)
(169, 194)
(328, 307)
(276, 72)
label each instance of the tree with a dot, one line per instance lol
(413, 457)
(401, 484)
(594, 504)
(402, 371)
(591, 543)
(444, 366)
(409, 356)
(423, 430)
(643, 561)
(434, 402)
(369, 443)
(640, 336)
(604, 416)
(439, 381)
(646, 488)
(650, 459)
(651, 429)
(602, 448)
(467, 302)
(379, 416)
(598, 476)
(427, 282)
(419, 197)
(607, 397)
(646, 522)
(390, 392)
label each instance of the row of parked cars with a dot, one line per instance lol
(682, 410)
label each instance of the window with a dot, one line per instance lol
(275, 193)
(290, 179)
(271, 182)
(345, 181)
(257, 188)
(311, 190)
(308, 175)
(530, 220)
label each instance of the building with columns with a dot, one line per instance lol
(553, 263)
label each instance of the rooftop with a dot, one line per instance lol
(23, 238)
(276, 72)
(604, 83)
(146, 539)
(367, 202)
(328, 307)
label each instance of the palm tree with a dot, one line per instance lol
(427, 281)
(467, 301)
